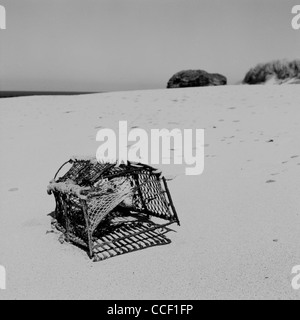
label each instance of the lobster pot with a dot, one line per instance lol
(108, 209)
(70, 219)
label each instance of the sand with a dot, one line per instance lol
(240, 220)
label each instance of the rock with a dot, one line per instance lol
(275, 72)
(196, 78)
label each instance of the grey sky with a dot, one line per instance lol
(101, 45)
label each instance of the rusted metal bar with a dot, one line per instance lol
(69, 161)
(87, 222)
(136, 179)
(65, 212)
(170, 200)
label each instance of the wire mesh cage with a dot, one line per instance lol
(108, 209)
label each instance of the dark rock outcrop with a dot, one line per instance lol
(276, 71)
(196, 78)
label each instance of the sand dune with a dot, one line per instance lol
(240, 229)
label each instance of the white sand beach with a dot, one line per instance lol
(240, 220)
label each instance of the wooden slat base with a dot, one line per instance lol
(129, 238)
(125, 238)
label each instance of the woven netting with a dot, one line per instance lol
(100, 206)
(151, 196)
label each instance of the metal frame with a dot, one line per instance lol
(126, 237)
